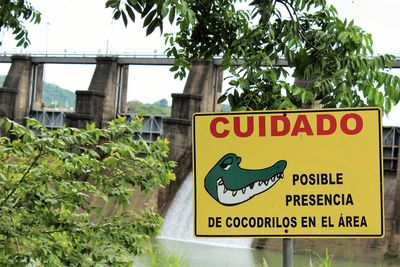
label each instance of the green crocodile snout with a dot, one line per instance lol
(229, 184)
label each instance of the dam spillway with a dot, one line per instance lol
(178, 222)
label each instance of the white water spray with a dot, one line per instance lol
(178, 223)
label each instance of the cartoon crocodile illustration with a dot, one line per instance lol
(230, 185)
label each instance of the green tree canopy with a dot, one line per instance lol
(334, 58)
(13, 16)
(48, 180)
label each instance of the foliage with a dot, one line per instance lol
(48, 179)
(323, 261)
(14, 14)
(334, 58)
(168, 258)
(162, 103)
(137, 107)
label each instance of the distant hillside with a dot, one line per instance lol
(158, 108)
(52, 94)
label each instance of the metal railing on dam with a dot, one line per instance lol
(122, 59)
(151, 130)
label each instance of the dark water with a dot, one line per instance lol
(195, 254)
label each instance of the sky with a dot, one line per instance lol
(86, 27)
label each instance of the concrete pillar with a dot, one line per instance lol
(99, 103)
(205, 79)
(38, 96)
(88, 109)
(123, 105)
(105, 80)
(7, 102)
(201, 92)
(397, 131)
(15, 94)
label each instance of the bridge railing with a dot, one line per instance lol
(50, 118)
(151, 130)
(152, 127)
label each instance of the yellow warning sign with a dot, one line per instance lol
(302, 173)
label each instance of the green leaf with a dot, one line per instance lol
(7, 125)
(221, 99)
(148, 6)
(171, 16)
(184, 24)
(117, 14)
(21, 42)
(131, 14)
(149, 18)
(152, 27)
(112, 3)
(138, 8)
(297, 91)
(132, 2)
(388, 105)
(231, 100)
(164, 9)
(124, 18)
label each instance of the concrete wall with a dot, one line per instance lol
(15, 95)
(201, 93)
(105, 97)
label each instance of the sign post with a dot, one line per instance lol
(287, 252)
(288, 174)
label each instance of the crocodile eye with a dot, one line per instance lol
(225, 167)
(226, 164)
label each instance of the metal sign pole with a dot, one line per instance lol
(288, 252)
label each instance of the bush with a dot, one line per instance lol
(47, 179)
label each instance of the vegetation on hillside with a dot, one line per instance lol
(56, 96)
(157, 108)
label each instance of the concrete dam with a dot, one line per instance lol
(21, 94)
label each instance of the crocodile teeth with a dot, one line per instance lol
(225, 190)
(280, 175)
(260, 183)
(244, 190)
(234, 193)
(273, 179)
(266, 182)
(220, 182)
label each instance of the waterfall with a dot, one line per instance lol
(178, 222)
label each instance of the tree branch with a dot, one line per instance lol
(23, 177)
(301, 31)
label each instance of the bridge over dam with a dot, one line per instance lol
(21, 97)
